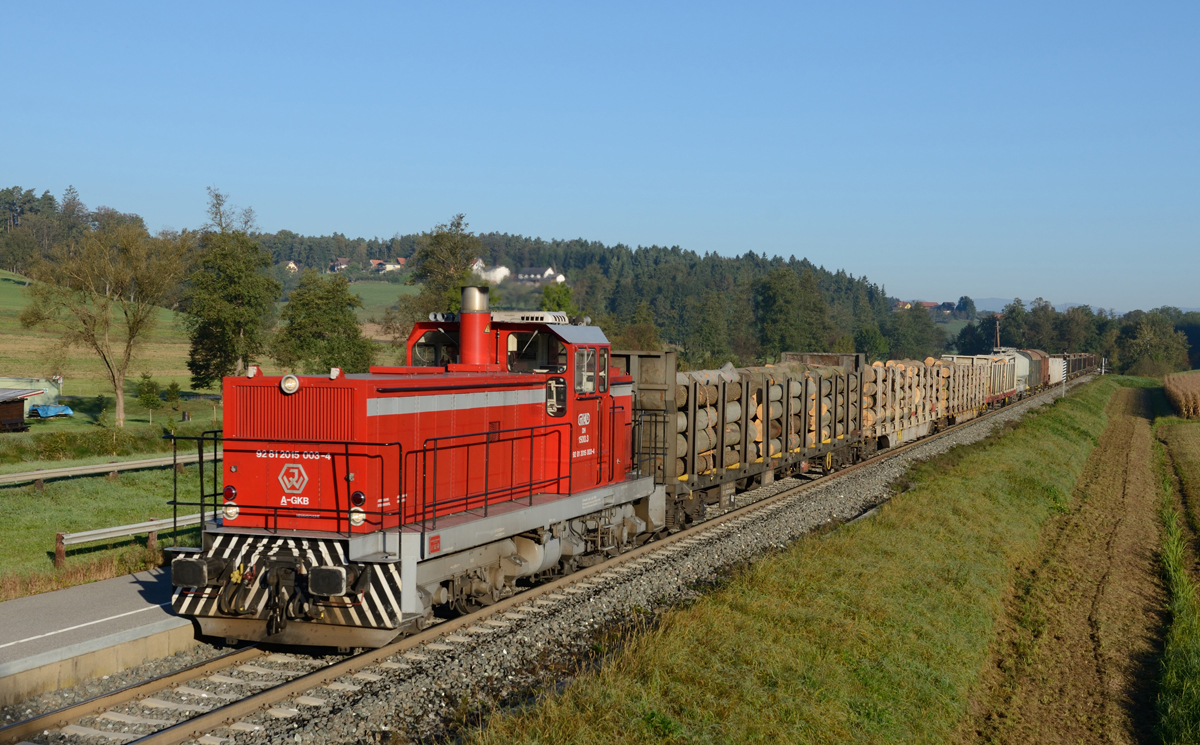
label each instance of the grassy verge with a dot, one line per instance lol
(29, 520)
(874, 633)
(1179, 686)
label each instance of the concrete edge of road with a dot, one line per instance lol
(76, 663)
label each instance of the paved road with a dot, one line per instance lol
(55, 624)
(93, 470)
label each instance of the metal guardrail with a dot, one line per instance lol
(94, 470)
(62, 540)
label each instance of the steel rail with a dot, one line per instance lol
(105, 701)
(195, 727)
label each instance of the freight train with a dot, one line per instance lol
(348, 509)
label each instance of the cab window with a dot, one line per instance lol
(435, 349)
(602, 372)
(585, 370)
(535, 351)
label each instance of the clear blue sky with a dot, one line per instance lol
(992, 149)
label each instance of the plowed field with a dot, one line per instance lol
(1076, 655)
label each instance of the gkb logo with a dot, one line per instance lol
(293, 479)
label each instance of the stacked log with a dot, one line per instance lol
(901, 393)
(787, 407)
(711, 415)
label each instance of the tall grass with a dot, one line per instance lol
(877, 632)
(1179, 687)
(1183, 391)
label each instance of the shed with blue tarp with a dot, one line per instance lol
(48, 390)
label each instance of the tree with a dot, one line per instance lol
(873, 344)
(912, 334)
(320, 329)
(974, 338)
(791, 313)
(1155, 348)
(147, 391)
(557, 296)
(815, 328)
(706, 343)
(1041, 330)
(1012, 325)
(640, 334)
(224, 217)
(230, 301)
(441, 264)
(103, 292)
(965, 309)
(172, 395)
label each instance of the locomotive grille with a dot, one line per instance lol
(311, 413)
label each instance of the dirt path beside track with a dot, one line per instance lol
(1076, 654)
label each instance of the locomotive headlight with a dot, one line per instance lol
(357, 516)
(358, 499)
(230, 511)
(289, 384)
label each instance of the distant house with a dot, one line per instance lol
(401, 261)
(292, 267)
(947, 307)
(339, 265)
(928, 306)
(386, 266)
(539, 274)
(901, 305)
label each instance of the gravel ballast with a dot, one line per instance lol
(427, 693)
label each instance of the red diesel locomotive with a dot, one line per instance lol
(351, 505)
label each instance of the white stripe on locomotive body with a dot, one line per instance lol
(454, 401)
(364, 603)
(386, 582)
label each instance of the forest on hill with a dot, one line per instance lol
(712, 308)
(720, 308)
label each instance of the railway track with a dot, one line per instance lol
(239, 686)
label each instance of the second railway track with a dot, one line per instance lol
(193, 714)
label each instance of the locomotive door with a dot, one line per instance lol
(588, 452)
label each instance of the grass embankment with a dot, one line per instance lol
(1179, 686)
(30, 518)
(874, 633)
